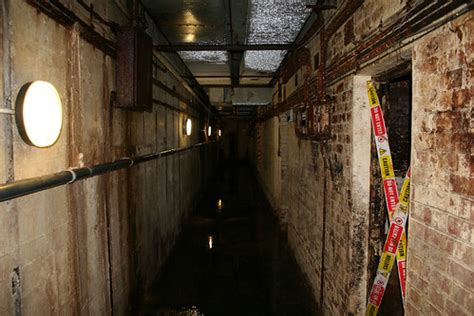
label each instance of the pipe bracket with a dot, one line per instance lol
(74, 175)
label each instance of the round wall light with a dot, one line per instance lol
(188, 127)
(209, 130)
(39, 114)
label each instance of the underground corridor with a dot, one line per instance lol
(232, 258)
(236, 157)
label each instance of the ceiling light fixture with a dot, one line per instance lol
(190, 37)
(39, 114)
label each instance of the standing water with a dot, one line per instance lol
(231, 259)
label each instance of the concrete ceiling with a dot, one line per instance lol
(230, 43)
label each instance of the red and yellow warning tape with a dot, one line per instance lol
(396, 243)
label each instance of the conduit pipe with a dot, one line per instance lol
(95, 15)
(66, 17)
(339, 19)
(24, 187)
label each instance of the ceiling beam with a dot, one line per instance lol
(235, 61)
(318, 8)
(230, 48)
(195, 87)
(264, 76)
(235, 57)
(240, 85)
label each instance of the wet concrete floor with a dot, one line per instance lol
(231, 259)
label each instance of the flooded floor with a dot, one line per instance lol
(231, 259)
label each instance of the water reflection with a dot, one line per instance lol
(210, 242)
(220, 205)
(249, 273)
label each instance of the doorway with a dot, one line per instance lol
(394, 89)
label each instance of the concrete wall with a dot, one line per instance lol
(269, 164)
(327, 184)
(93, 246)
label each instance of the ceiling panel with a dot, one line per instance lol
(263, 61)
(211, 57)
(200, 69)
(276, 21)
(190, 21)
(230, 22)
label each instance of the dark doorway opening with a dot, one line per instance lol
(394, 89)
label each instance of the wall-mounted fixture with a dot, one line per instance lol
(219, 132)
(188, 127)
(209, 130)
(39, 114)
(134, 69)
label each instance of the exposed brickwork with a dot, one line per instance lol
(440, 235)
(285, 129)
(305, 200)
(338, 261)
(440, 257)
(305, 220)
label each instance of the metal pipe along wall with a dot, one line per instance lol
(24, 187)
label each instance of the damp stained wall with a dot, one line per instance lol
(269, 160)
(93, 246)
(326, 185)
(441, 228)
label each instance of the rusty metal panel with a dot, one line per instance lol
(134, 70)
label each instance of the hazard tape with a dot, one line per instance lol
(390, 190)
(390, 249)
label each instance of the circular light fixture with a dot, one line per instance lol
(209, 130)
(188, 127)
(39, 114)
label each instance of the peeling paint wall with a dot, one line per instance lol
(93, 246)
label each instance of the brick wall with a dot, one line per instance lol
(304, 192)
(440, 257)
(302, 178)
(338, 223)
(440, 229)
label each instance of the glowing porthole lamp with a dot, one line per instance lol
(188, 127)
(39, 114)
(209, 130)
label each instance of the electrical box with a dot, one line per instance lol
(134, 70)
